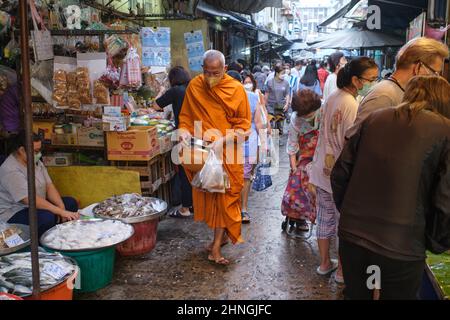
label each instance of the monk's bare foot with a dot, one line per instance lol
(224, 242)
(216, 257)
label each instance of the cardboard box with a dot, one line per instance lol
(66, 139)
(138, 144)
(90, 137)
(44, 126)
(113, 123)
(112, 111)
(58, 160)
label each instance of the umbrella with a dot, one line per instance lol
(357, 39)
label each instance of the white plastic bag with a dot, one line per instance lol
(212, 178)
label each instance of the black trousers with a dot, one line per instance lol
(400, 280)
(181, 189)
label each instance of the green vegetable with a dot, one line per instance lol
(440, 267)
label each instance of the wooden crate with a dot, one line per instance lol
(167, 167)
(164, 192)
(149, 172)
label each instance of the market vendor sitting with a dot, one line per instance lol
(14, 190)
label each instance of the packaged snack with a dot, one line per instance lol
(72, 78)
(74, 101)
(85, 97)
(82, 74)
(60, 76)
(101, 93)
(72, 88)
(59, 86)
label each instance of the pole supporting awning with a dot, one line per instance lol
(28, 118)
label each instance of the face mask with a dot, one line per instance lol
(37, 157)
(283, 76)
(248, 86)
(213, 81)
(365, 89)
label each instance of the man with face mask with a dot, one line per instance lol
(421, 56)
(14, 190)
(218, 105)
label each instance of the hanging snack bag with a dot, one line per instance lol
(101, 93)
(60, 88)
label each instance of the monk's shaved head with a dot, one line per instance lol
(213, 56)
(213, 67)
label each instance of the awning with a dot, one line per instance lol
(245, 6)
(397, 14)
(358, 39)
(218, 12)
(340, 13)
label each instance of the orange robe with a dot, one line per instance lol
(223, 107)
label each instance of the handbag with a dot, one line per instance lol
(262, 180)
(42, 39)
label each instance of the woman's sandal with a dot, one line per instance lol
(221, 261)
(245, 217)
(178, 214)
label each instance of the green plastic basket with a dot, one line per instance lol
(96, 267)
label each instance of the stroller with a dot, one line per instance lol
(290, 226)
(277, 121)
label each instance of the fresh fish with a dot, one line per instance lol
(16, 278)
(22, 289)
(17, 272)
(128, 205)
(6, 284)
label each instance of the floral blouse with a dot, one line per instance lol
(300, 127)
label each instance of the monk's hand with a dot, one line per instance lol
(216, 146)
(286, 108)
(185, 137)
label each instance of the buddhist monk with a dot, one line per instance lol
(218, 103)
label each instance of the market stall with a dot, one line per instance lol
(93, 83)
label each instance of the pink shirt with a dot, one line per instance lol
(339, 113)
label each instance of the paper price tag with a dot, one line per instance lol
(54, 270)
(14, 241)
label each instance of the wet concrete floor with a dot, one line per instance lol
(269, 265)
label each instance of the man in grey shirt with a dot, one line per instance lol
(421, 56)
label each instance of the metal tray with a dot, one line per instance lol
(44, 289)
(42, 241)
(133, 220)
(25, 235)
